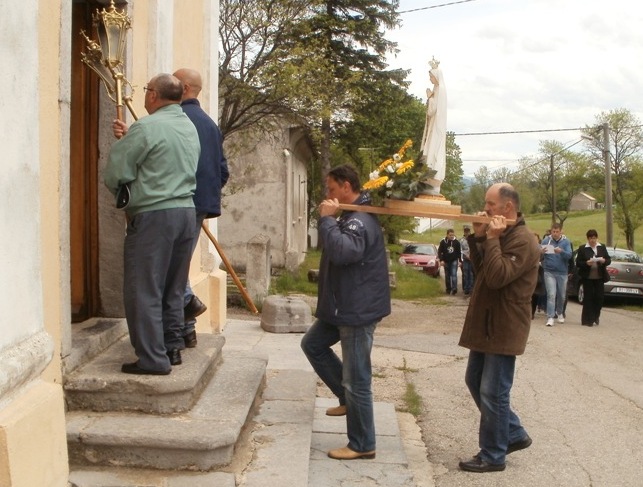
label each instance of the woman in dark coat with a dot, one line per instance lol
(592, 261)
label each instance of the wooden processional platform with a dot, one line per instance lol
(421, 207)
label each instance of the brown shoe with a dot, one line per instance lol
(336, 411)
(348, 454)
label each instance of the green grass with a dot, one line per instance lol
(412, 400)
(411, 284)
(574, 227)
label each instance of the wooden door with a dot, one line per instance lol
(83, 171)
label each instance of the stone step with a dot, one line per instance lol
(147, 478)
(202, 438)
(100, 385)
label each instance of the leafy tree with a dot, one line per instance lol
(252, 87)
(626, 141)
(452, 186)
(347, 37)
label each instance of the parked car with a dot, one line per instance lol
(626, 273)
(422, 256)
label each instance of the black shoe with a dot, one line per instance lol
(454, 292)
(175, 356)
(588, 324)
(190, 340)
(133, 368)
(476, 464)
(519, 445)
(193, 309)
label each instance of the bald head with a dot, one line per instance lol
(191, 80)
(502, 199)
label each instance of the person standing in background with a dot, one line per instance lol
(592, 260)
(468, 276)
(556, 251)
(450, 255)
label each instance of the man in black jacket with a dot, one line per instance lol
(353, 296)
(450, 256)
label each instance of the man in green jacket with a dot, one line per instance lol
(505, 258)
(157, 159)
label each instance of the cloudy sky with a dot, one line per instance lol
(519, 65)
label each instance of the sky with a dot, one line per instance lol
(522, 65)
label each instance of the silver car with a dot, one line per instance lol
(626, 272)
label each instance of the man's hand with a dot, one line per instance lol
(480, 229)
(120, 128)
(497, 225)
(329, 207)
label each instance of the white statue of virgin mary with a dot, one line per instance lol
(434, 139)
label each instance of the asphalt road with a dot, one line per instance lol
(577, 390)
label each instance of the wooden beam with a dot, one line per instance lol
(428, 213)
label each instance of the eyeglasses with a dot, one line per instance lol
(146, 89)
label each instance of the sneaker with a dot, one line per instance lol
(561, 320)
(550, 322)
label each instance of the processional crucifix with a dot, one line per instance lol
(105, 58)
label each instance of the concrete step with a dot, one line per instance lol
(101, 386)
(202, 438)
(92, 337)
(121, 477)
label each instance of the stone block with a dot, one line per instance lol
(283, 314)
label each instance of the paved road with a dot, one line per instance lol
(578, 391)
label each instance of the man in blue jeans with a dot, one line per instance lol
(352, 297)
(505, 258)
(557, 251)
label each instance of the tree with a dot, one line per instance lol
(252, 87)
(452, 186)
(626, 141)
(348, 39)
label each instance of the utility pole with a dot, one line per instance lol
(608, 185)
(553, 189)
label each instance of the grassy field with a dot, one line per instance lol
(574, 227)
(410, 283)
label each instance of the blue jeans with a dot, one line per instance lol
(467, 276)
(189, 326)
(556, 285)
(451, 275)
(350, 379)
(489, 378)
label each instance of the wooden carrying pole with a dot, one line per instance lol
(228, 266)
(432, 212)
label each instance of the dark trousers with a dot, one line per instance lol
(157, 252)
(592, 301)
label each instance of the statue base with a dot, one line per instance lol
(423, 203)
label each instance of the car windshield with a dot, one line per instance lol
(619, 255)
(419, 249)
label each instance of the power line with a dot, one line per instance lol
(434, 6)
(521, 132)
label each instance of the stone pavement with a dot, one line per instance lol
(291, 433)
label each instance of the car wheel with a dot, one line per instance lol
(581, 294)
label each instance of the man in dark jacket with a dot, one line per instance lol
(211, 176)
(496, 327)
(353, 296)
(450, 255)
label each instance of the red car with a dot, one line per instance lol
(422, 256)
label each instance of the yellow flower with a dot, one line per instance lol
(375, 183)
(405, 167)
(385, 164)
